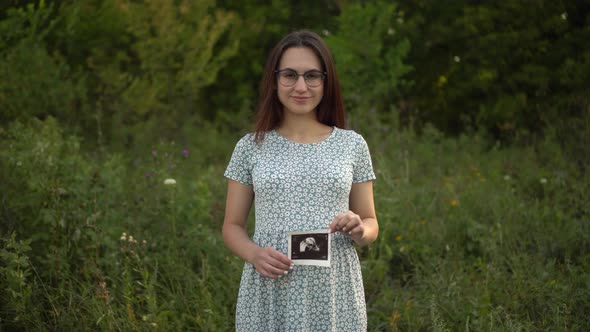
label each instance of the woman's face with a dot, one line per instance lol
(300, 99)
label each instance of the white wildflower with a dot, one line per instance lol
(169, 182)
(456, 58)
(543, 180)
(390, 31)
(564, 16)
(326, 32)
(507, 177)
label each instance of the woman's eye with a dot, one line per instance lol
(313, 76)
(289, 75)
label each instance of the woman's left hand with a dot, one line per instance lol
(348, 223)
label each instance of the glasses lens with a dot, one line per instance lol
(313, 78)
(288, 77)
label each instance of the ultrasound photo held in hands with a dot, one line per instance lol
(310, 248)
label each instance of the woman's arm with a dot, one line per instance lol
(360, 222)
(268, 261)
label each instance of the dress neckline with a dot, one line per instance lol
(281, 137)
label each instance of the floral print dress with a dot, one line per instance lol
(301, 187)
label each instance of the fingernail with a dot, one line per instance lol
(285, 273)
(349, 233)
(291, 267)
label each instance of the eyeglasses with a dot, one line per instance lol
(313, 78)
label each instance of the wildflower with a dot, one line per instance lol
(398, 238)
(564, 16)
(185, 153)
(144, 242)
(148, 175)
(154, 153)
(543, 180)
(131, 239)
(507, 177)
(123, 237)
(456, 58)
(326, 32)
(390, 31)
(169, 182)
(454, 203)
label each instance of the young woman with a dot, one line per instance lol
(303, 171)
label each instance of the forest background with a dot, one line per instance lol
(118, 117)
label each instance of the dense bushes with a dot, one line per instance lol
(108, 244)
(511, 67)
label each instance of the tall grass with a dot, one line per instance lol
(473, 236)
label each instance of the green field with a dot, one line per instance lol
(474, 237)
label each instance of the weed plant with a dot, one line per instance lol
(473, 236)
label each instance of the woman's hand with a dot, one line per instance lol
(348, 223)
(271, 263)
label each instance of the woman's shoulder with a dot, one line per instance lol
(351, 135)
(246, 142)
(248, 138)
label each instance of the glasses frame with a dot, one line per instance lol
(278, 72)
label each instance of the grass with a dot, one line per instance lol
(473, 236)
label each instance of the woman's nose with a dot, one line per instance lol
(300, 85)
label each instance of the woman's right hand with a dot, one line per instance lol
(271, 263)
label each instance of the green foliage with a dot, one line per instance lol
(17, 302)
(369, 58)
(476, 238)
(112, 246)
(35, 83)
(122, 72)
(507, 67)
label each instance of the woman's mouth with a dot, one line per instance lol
(300, 99)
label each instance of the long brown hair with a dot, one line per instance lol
(330, 110)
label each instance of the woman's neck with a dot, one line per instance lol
(303, 129)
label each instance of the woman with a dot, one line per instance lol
(303, 171)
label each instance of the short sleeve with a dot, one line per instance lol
(240, 165)
(363, 167)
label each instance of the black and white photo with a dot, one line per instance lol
(310, 247)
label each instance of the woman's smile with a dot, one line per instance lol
(300, 99)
